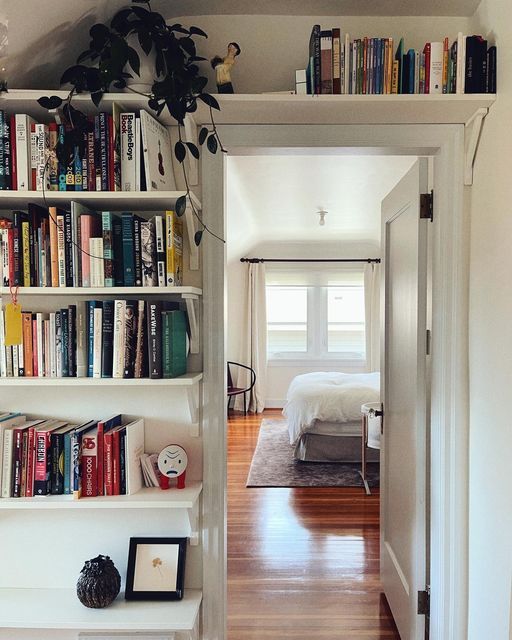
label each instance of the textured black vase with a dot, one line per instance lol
(99, 583)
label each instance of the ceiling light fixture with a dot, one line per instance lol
(322, 215)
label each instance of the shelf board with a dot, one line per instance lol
(188, 380)
(345, 109)
(61, 609)
(104, 291)
(103, 200)
(146, 498)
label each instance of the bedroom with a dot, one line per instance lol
(315, 220)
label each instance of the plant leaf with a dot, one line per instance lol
(180, 206)
(198, 236)
(134, 60)
(52, 102)
(193, 149)
(196, 31)
(212, 144)
(84, 56)
(179, 151)
(209, 100)
(145, 41)
(202, 135)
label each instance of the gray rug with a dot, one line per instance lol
(273, 464)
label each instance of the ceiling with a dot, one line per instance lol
(276, 198)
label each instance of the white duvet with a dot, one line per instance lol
(329, 397)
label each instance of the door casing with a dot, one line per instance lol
(449, 451)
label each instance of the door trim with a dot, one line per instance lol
(449, 407)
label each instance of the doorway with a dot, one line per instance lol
(444, 143)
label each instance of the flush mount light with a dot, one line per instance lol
(322, 215)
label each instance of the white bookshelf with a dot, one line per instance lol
(186, 380)
(61, 609)
(146, 498)
(104, 291)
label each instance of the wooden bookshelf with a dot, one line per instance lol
(61, 609)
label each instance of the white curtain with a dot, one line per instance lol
(254, 339)
(372, 315)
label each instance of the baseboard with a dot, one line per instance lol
(274, 403)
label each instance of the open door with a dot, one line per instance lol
(404, 393)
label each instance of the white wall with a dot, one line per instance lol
(279, 376)
(490, 525)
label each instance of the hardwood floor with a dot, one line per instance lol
(303, 563)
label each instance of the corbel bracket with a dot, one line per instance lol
(472, 130)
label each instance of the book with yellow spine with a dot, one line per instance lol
(173, 250)
(25, 243)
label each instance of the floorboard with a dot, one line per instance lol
(304, 562)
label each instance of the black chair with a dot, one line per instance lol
(236, 391)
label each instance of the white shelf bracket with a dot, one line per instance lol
(193, 405)
(472, 130)
(192, 303)
(191, 230)
(192, 163)
(193, 518)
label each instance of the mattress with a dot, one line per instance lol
(322, 428)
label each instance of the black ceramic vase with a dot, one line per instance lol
(99, 583)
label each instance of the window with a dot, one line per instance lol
(315, 314)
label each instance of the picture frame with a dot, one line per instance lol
(156, 569)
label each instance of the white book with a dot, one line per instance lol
(43, 148)
(97, 262)
(119, 338)
(81, 340)
(46, 351)
(138, 154)
(21, 360)
(15, 366)
(134, 448)
(436, 67)
(160, 250)
(346, 84)
(40, 338)
(128, 151)
(5, 423)
(53, 351)
(3, 360)
(156, 148)
(8, 361)
(97, 342)
(7, 462)
(61, 251)
(58, 344)
(23, 151)
(461, 63)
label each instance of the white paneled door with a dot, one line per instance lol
(404, 447)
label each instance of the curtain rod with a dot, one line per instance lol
(369, 260)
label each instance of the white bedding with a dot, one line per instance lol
(328, 396)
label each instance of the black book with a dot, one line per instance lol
(476, 64)
(117, 233)
(64, 320)
(104, 150)
(37, 215)
(72, 341)
(154, 332)
(107, 342)
(314, 53)
(130, 341)
(19, 218)
(490, 84)
(68, 248)
(122, 462)
(137, 252)
(56, 454)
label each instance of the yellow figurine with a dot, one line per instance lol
(223, 68)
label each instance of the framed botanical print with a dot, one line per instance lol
(156, 569)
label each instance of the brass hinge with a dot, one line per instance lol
(424, 602)
(427, 206)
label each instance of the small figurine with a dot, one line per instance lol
(223, 68)
(172, 463)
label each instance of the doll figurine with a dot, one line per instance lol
(223, 68)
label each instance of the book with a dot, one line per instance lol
(119, 338)
(90, 227)
(148, 253)
(314, 59)
(42, 467)
(89, 463)
(57, 453)
(107, 351)
(97, 342)
(140, 344)
(127, 228)
(326, 62)
(134, 449)
(436, 68)
(174, 249)
(128, 152)
(23, 123)
(82, 346)
(76, 454)
(156, 146)
(337, 63)
(91, 334)
(174, 343)
(103, 427)
(154, 334)
(160, 240)
(137, 250)
(97, 270)
(108, 248)
(130, 337)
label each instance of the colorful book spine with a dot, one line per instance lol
(108, 248)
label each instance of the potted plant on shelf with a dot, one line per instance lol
(110, 62)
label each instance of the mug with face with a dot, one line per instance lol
(172, 463)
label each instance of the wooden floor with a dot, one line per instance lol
(303, 563)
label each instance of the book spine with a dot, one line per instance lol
(25, 244)
(5, 257)
(137, 253)
(97, 339)
(326, 62)
(61, 250)
(76, 464)
(40, 338)
(17, 459)
(43, 147)
(128, 249)
(72, 341)
(89, 465)
(117, 240)
(58, 344)
(7, 153)
(138, 156)
(81, 340)
(104, 151)
(53, 354)
(7, 458)
(491, 70)
(31, 451)
(140, 342)
(67, 464)
(111, 152)
(27, 343)
(54, 246)
(337, 66)
(155, 339)
(160, 251)
(23, 166)
(85, 236)
(314, 47)
(107, 463)
(116, 478)
(96, 258)
(64, 316)
(130, 329)
(122, 462)
(3, 359)
(35, 346)
(61, 165)
(436, 67)
(107, 352)
(91, 167)
(91, 305)
(41, 475)
(128, 164)
(119, 338)
(148, 253)
(108, 248)
(68, 249)
(56, 459)
(24, 462)
(14, 168)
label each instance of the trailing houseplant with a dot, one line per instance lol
(111, 60)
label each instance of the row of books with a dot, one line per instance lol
(122, 152)
(83, 248)
(99, 339)
(48, 456)
(338, 65)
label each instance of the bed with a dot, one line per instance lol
(323, 411)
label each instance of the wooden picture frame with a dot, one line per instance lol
(156, 569)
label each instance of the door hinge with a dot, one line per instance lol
(424, 602)
(427, 206)
(429, 341)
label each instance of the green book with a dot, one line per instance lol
(174, 343)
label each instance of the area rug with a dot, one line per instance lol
(273, 464)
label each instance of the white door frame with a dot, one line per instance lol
(449, 408)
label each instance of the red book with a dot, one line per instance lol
(17, 461)
(35, 365)
(103, 428)
(14, 173)
(107, 463)
(33, 150)
(89, 464)
(110, 154)
(426, 51)
(116, 461)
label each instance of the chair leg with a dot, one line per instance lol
(245, 405)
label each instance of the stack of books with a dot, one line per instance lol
(338, 65)
(80, 247)
(46, 456)
(123, 152)
(100, 339)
